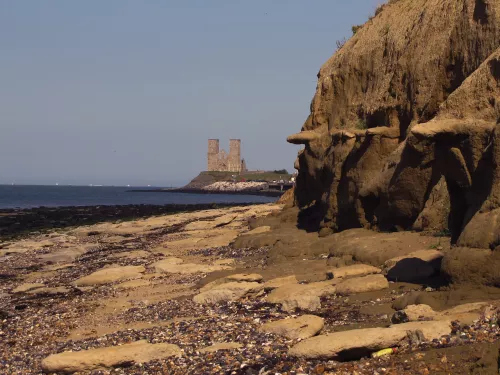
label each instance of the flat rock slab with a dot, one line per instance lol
(207, 224)
(109, 275)
(133, 284)
(240, 277)
(259, 230)
(24, 246)
(28, 286)
(105, 358)
(465, 313)
(361, 342)
(303, 327)
(301, 296)
(200, 225)
(354, 270)
(57, 267)
(64, 255)
(132, 254)
(166, 266)
(231, 291)
(170, 260)
(221, 346)
(362, 284)
(183, 244)
(222, 239)
(280, 281)
(113, 239)
(161, 250)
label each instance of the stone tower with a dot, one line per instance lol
(213, 155)
(234, 164)
(220, 161)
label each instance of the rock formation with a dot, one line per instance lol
(403, 126)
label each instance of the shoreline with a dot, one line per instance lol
(265, 193)
(15, 223)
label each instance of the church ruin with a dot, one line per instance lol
(221, 161)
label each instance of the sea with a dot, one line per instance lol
(31, 196)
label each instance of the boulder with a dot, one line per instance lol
(109, 357)
(358, 343)
(420, 312)
(353, 270)
(429, 256)
(303, 327)
(110, 275)
(417, 266)
(362, 284)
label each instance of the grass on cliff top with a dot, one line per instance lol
(266, 176)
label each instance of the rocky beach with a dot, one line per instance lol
(382, 258)
(213, 292)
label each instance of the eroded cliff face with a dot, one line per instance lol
(402, 131)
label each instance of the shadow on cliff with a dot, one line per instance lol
(310, 218)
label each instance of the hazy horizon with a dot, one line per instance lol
(124, 92)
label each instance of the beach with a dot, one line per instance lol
(233, 290)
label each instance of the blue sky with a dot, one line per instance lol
(128, 92)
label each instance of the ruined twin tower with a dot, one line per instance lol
(221, 161)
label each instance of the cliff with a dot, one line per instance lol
(403, 126)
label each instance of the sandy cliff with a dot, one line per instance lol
(402, 131)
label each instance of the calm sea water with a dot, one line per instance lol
(53, 196)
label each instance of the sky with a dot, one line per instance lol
(123, 92)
